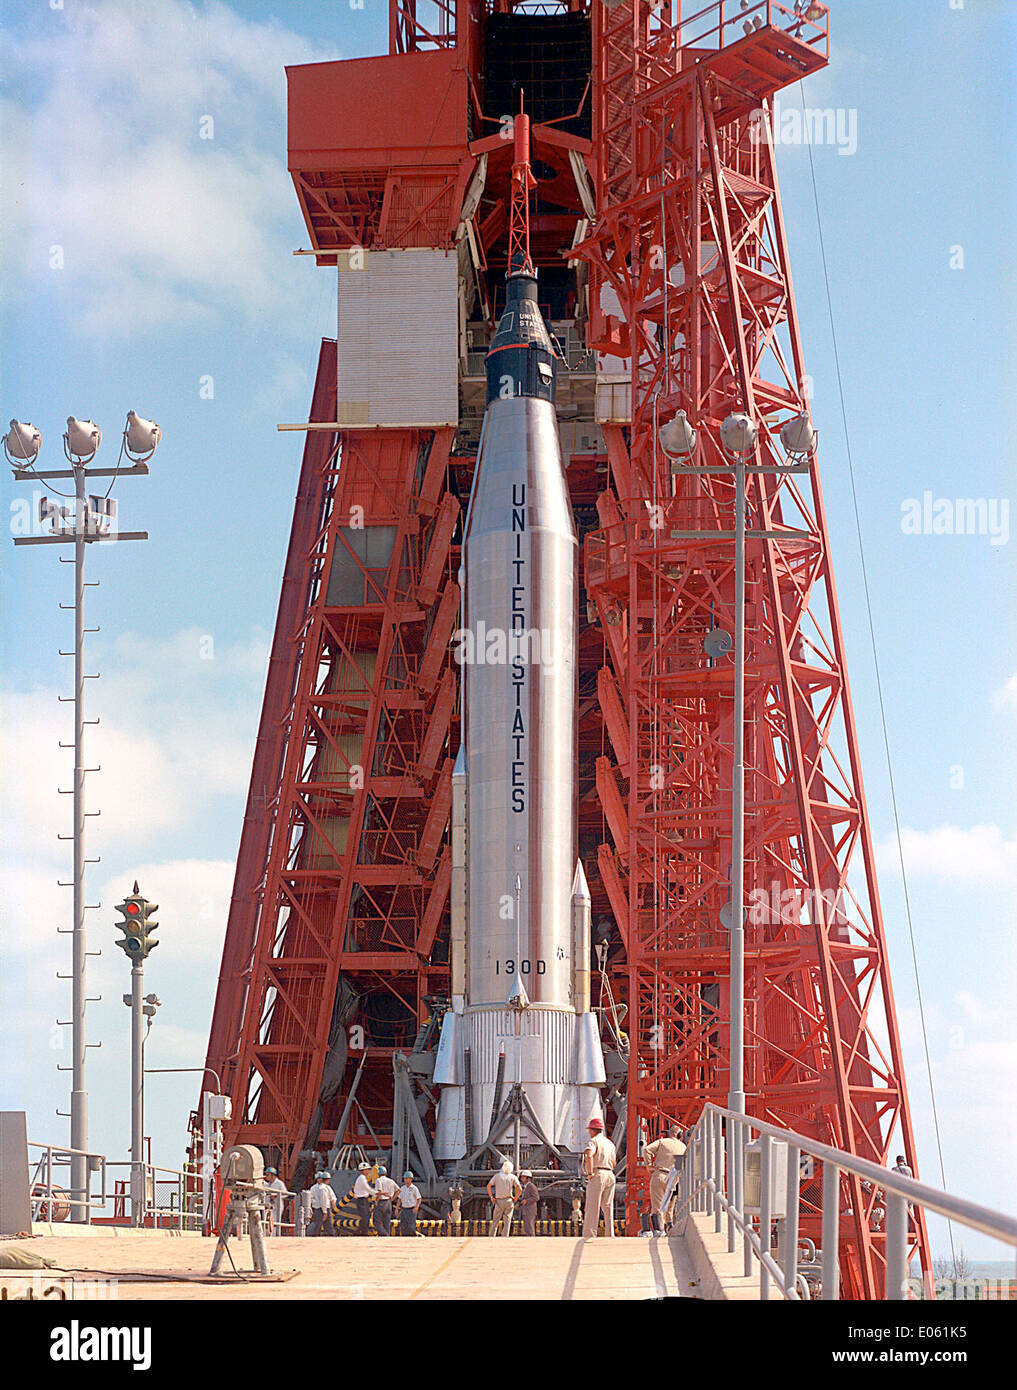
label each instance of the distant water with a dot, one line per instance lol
(993, 1269)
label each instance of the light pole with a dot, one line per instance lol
(92, 521)
(137, 925)
(739, 435)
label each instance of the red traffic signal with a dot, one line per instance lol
(137, 926)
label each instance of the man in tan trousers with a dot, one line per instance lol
(503, 1190)
(661, 1156)
(598, 1164)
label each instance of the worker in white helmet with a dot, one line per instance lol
(408, 1199)
(363, 1194)
(323, 1206)
(278, 1190)
(386, 1190)
(503, 1189)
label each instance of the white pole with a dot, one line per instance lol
(79, 1094)
(736, 1092)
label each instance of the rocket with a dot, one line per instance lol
(519, 1053)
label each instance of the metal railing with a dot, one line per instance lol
(172, 1195)
(47, 1195)
(711, 1178)
(723, 22)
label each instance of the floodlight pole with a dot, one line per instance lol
(82, 534)
(80, 1180)
(736, 1084)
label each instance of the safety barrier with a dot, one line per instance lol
(711, 1178)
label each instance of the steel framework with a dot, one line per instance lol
(690, 238)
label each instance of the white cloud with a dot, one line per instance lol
(193, 897)
(158, 226)
(981, 854)
(1006, 697)
(175, 742)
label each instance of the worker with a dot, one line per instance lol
(503, 1189)
(274, 1185)
(528, 1203)
(324, 1206)
(599, 1162)
(363, 1192)
(409, 1205)
(385, 1189)
(903, 1167)
(661, 1156)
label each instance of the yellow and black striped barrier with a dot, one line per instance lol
(350, 1225)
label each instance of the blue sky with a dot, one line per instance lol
(177, 268)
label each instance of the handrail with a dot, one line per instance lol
(60, 1155)
(716, 1149)
(991, 1223)
(764, 1257)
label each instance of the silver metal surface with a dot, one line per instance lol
(581, 914)
(457, 934)
(831, 1232)
(521, 614)
(524, 910)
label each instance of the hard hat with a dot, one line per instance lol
(324, 1175)
(526, 1173)
(364, 1167)
(382, 1170)
(407, 1174)
(271, 1170)
(595, 1124)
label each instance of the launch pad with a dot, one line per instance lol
(468, 1267)
(403, 976)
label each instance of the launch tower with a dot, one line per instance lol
(663, 273)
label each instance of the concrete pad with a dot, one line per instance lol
(720, 1273)
(432, 1268)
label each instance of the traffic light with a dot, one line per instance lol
(137, 926)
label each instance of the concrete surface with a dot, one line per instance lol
(720, 1274)
(441, 1268)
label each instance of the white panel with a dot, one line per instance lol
(613, 389)
(398, 336)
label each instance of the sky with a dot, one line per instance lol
(148, 226)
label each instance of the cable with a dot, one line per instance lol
(875, 661)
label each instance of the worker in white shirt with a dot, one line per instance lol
(409, 1204)
(503, 1190)
(278, 1189)
(363, 1191)
(385, 1189)
(323, 1206)
(661, 1156)
(598, 1164)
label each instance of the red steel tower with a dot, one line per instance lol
(657, 232)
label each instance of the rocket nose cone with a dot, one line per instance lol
(580, 887)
